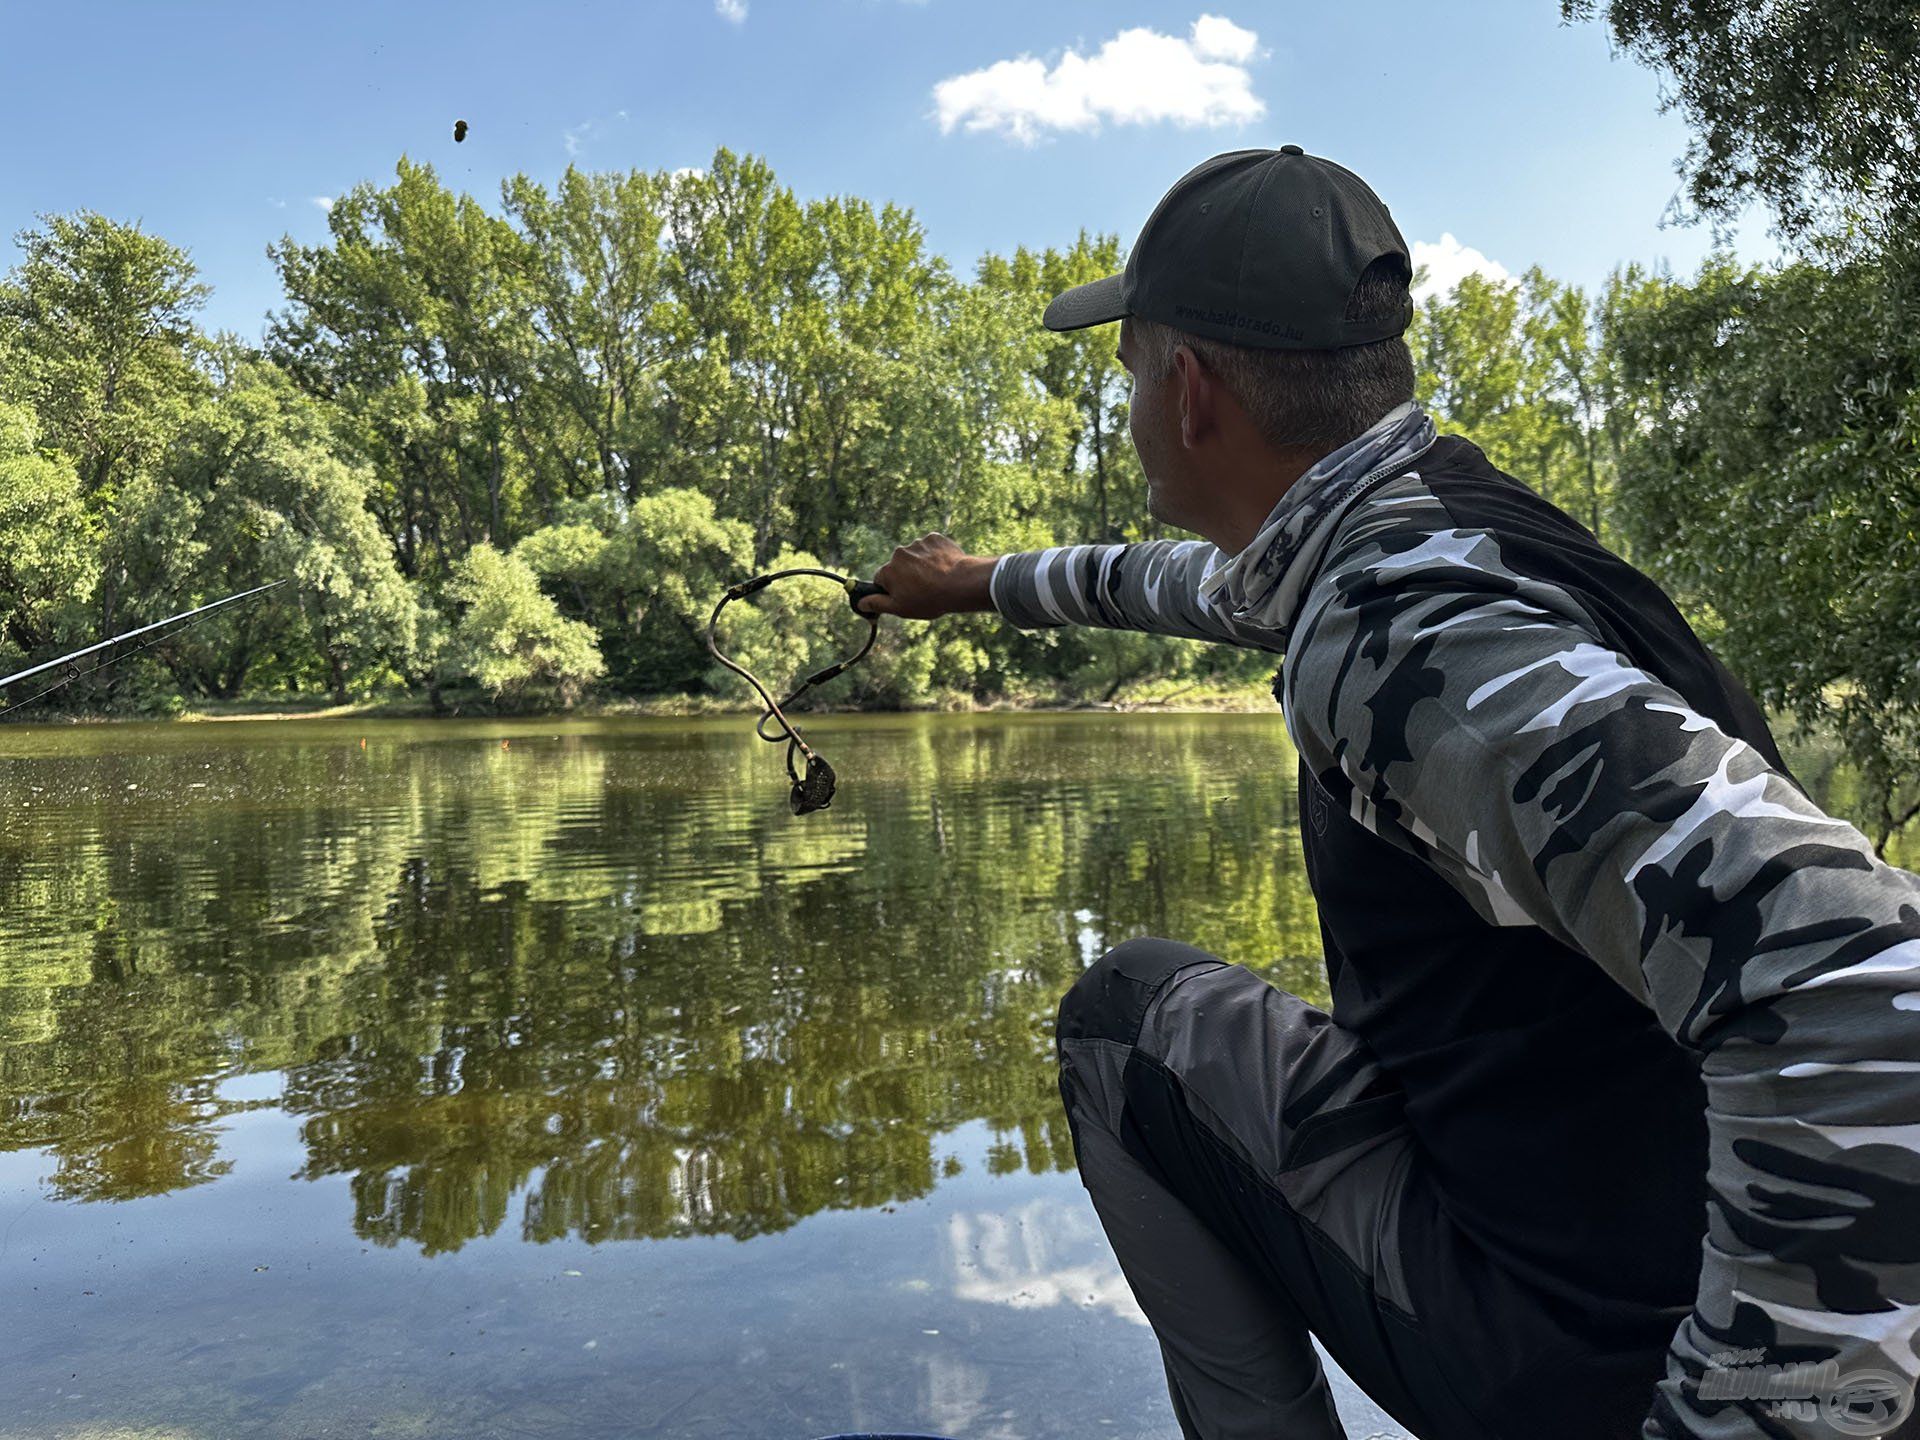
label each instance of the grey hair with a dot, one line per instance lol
(1317, 399)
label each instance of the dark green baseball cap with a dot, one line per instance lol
(1254, 247)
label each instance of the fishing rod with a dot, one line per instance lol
(812, 790)
(191, 617)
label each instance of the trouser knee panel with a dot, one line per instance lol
(1109, 1001)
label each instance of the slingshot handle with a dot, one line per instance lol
(858, 590)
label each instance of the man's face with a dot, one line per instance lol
(1153, 421)
(1206, 465)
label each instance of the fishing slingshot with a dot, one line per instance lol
(813, 786)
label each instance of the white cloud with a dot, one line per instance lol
(1448, 263)
(575, 137)
(734, 10)
(1139, 77)
(1217, 38)
(325, 202)
(1038, 1256)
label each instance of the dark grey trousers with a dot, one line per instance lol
(1255, 1176)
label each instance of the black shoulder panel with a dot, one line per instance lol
(1629, 610)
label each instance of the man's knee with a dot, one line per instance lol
(1111, 998)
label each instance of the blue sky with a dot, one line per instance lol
(998, 122)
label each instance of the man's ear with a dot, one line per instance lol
(1198, 396)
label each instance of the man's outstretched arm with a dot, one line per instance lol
(1151, 585)
(1475, 716)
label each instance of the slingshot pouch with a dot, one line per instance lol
(813, 790)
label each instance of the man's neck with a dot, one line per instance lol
(1249, 503)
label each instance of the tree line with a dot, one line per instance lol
(524, 448)
(517, 451)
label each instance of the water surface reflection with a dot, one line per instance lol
(345, 1015)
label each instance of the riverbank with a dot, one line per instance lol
(1169, 698)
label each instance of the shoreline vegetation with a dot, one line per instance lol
(1166, 699)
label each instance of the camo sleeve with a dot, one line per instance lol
(1473, 716)
(1152, 585)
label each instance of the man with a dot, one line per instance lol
(1614, 1126)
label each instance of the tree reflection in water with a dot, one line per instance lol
(596, 981)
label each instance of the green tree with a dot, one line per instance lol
(49, 557)
(799, 340)
(1765, 434)
(1504, 363)
(646, 578)
(595, 416)
(1096, 491)
(1809, 107)
(258, 488)
(98, 319)
(96, 325)
(1774, 487)
(414, 319)
(510, 637)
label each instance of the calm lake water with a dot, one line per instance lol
(552, 1079)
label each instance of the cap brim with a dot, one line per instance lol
(1096, 303)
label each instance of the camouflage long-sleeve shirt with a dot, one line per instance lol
(1469, 702)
